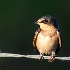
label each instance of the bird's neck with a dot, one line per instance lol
(47, 28)
(49, 31)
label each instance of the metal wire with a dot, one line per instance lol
(31, 56)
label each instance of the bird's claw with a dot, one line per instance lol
(51, 59)
(41, 57)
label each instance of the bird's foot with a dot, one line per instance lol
(51, 59)
(41, 57)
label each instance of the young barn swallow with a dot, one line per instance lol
(47, 38)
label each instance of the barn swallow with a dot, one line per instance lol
(47, 39)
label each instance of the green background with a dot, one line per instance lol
(17, 29)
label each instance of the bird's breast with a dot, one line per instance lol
(43, 39)
(46, 43)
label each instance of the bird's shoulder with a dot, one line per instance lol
(35, 36)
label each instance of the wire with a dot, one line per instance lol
(31, 56)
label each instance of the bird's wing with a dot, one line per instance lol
(59, 43)
(59, 37)
(35, 38)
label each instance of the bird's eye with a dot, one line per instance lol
(44, 21)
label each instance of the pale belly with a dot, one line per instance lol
(45, 44)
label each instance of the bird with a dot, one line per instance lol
(47, 38)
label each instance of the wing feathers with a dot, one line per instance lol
(59, 39)
(35, 38)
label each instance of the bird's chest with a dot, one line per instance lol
(43, 39)
(46, 39)
(46, 42)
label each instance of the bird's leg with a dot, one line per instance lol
(52, 57)
(41, 56)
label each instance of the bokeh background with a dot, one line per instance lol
(17, 29)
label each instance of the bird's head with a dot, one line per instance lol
(47, 21)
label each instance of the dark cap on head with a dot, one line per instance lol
(52, 19)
